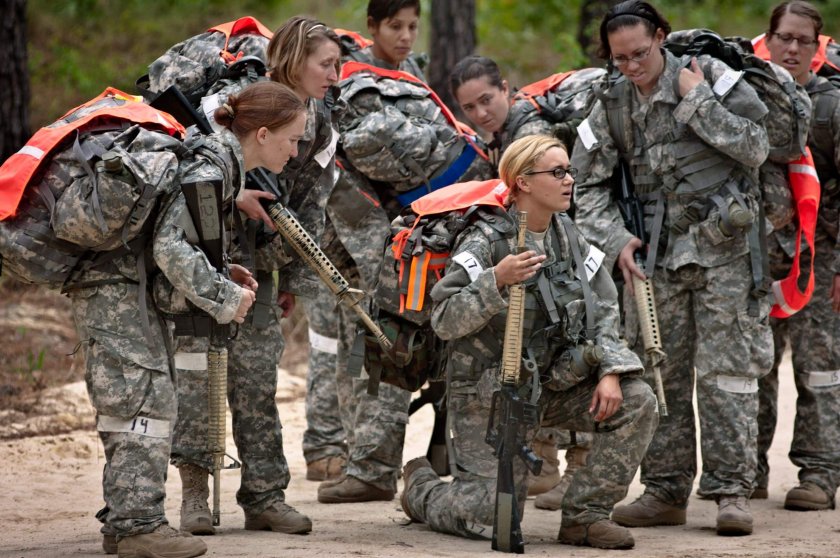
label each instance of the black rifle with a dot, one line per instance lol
(510, 418)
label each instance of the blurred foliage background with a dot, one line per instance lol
(77, 47)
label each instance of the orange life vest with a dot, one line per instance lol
(231, 29)
(353, 67)
(415, 268)
(110, 106)
(805, 184)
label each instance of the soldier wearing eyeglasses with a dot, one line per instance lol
(813, 332)
(693, 138)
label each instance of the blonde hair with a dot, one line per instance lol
(521, 156)
(297, 39)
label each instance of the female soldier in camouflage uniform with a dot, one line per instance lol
(609, 399)
(813, 331)
(484, 96)
(690, 135)
(393, 26)
(128, 372)
(304, 55)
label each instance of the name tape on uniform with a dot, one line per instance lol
(143, 426)
(469, 263)
(823, 379)
(736, 384)
(191, 361)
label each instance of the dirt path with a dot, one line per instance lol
(50, 489)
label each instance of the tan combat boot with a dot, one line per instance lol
(648, 511)
(553, 499)
(808, 497)
(734, 517)
(163, 542)
(280, 517)
(409, 476)
(351, 489)
(601, 534)
(549, 474)
(109, 544)
(195, 513)
(327, 468)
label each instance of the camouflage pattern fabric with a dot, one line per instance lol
(252, 384)
(130, 386)
(464, 309)
(812, 332)
(324, 435)
(701, 283)
(255, 352)
(409, 65)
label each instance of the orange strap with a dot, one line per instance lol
(353, 67)
(241, 26)
(19, 169)
(543, 86)
(805, 185)
(358, 38)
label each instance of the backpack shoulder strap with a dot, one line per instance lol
(572, 236)
(616, 100)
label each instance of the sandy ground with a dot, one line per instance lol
(50, 489)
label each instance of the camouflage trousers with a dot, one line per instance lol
(374, 427)
(814, 336)
(130, 385)
(324, 435)
(706, 329)
(253, 356)
(466, 506)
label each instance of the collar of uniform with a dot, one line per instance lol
(665, 91)
(234, 148)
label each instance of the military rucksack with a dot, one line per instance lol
(560, 98)
(787, 102)
(83, 190)
(233, 53)
(414, 260)
(403, 135)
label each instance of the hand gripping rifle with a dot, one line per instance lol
(506, 433)
(294, 233)
(632, 212)
(204, 200)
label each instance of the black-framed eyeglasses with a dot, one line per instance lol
(637, 58)
(558, 172)
(787, 39)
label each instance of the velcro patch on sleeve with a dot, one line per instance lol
(726, 82)
(469, 263)
(324, 156)
(587, 136)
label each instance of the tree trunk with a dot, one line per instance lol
(452, 38)
(591, 14)
(14, 78)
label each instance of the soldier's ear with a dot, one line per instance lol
(262, 135)
(505, 88)
(371, 25)
(522, 184)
